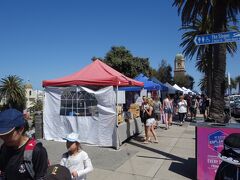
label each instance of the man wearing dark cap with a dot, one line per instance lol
(58, 172)
(230, 156)
(12, 153)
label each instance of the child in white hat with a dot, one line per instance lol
(76, 160)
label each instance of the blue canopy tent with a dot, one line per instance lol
(148, 85)
(163, 86)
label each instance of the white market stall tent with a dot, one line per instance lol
(177, 87)
(85, 102)
(171, 89)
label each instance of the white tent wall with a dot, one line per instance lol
(98, 130)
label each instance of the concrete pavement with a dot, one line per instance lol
(172, 158)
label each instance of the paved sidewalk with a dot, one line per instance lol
(172, 158)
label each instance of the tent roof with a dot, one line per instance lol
(148, 84)
(95, 74)
(171, 89)
(163, 87)
(177, 87)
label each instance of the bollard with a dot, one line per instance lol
(38, 125)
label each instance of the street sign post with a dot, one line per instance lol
(217, 38)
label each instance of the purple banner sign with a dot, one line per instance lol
(209, 145)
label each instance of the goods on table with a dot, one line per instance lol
(135, 110)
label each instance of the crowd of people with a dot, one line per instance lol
(24, 158)
(155, 111)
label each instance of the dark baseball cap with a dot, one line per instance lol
(9, 119)
(58, 172)
(231, 150)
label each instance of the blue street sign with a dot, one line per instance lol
(217, 38)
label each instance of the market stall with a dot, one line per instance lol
(85, 102)
(134, 101)
(171, 89)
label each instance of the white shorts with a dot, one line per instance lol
(150, 122)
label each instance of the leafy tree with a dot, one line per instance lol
(123, 61)
(221, 11)
(37, 106)
(203, 84)
(164, 72)
(237, 79)
(13, 91)
(190, 82)
(186, 81)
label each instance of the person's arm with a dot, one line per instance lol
(40, 161)
(164, 104)
(64, 159)
(87, 166)
(149, 111)
(185, 103)
(161, 107)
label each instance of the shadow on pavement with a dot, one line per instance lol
(186, 168)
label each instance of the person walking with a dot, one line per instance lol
(12, 153)
(157, 108)
(171, 111)
(144, 115)
(150, 123)
(167, 110)
(203, 105)
(75, 159)
(182, 109)
(193, 107)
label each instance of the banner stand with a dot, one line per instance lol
(209, 143)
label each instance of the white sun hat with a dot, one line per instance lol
(72, 137)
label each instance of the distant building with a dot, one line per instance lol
(179, 65)
(3, 101)
(32, 95)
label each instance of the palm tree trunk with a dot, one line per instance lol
(219, 63)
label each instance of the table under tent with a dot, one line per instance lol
(86, 103)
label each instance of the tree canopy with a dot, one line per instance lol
(13, 92)
(164, 72)
(123, 61)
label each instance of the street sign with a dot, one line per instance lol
(217, 38)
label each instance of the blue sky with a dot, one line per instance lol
(47, 39)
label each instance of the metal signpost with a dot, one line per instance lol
(217, 38)
(229, 92)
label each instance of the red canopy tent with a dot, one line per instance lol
(97, 73)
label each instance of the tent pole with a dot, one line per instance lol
(117, 138)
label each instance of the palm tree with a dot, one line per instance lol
(237, 79)
(204, 54)
(13, 91)
(221, 11)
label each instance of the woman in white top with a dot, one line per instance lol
(76, 160)
(182, 109)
